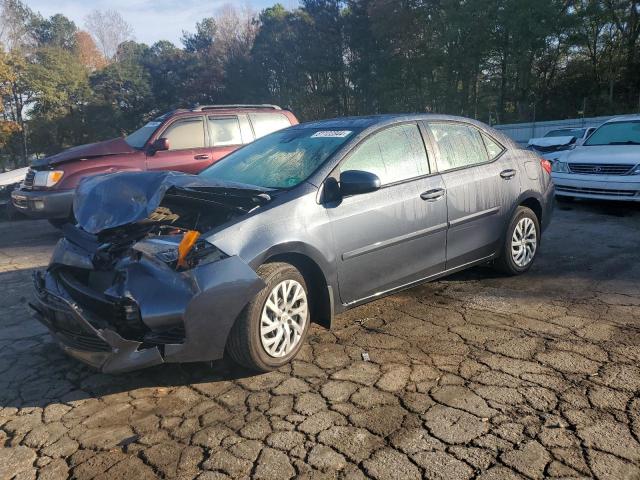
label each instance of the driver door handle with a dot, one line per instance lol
(432, 195)
(202, 156)
(508, 174)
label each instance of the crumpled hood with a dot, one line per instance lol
(14, 176)
(115, 146)
(617, 154)
(108, 201)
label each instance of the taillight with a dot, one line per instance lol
(546, 165)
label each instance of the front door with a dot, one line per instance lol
(481, 186)
(188, 147)
(395, 235)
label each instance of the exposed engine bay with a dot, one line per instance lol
(130, 286)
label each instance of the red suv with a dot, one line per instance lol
(182, 140)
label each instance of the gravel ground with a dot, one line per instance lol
(475, 376)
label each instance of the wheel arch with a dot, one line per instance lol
(530, 199)
(316, 274)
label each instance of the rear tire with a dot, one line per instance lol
(273, 326)
(521, 243)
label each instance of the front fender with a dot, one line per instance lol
(223, 289)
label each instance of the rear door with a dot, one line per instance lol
(226, 134)
(188, 146)
(395, 235)
(482, 186)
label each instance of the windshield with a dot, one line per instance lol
(616, 133)
(280, 160)
(574, 132)
(139, 138)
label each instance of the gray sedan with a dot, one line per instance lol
(293, 228)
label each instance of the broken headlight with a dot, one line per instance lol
(166, 250)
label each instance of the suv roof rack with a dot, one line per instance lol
(199, 108)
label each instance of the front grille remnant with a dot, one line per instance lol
(28, 180)
(600, 168)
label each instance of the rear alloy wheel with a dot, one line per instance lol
(521, 242)
(272, 327)
(524, 242)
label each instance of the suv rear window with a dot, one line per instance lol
(266, 123)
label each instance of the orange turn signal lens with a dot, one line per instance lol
(55, 176)
(186, 244)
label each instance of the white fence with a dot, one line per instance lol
(522, 132)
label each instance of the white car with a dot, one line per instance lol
(606, 166)
(555, 143)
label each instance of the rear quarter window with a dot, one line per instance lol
(266, 123)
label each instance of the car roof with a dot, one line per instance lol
(382, 119)
(624, 118)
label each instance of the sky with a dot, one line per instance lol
(152, 20)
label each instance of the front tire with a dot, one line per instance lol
(521, 244)
(273, 326)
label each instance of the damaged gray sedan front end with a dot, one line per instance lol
(115, 295)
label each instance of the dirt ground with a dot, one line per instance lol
(474, 376)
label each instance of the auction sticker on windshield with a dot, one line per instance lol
(331, 134)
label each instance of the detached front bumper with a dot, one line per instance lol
(598, 187)
(185, 316)
(79, 332)
(43, 204)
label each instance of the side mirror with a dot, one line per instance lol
(355, 182)
(160, 144)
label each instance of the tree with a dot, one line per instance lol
(60, 85)
(109, 30)
(87, 52)
(57, 31)
(202, 39)
(123, 98)
(8, 127)
(15, 25)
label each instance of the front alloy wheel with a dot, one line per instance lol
(272, 327)
(284, 318)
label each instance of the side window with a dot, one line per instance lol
(245, 128)
(185, 134)
(224, 131)
(460, 145)
(493, 148)
(266, 123)
(395, 154)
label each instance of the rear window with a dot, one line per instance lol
(266, 123)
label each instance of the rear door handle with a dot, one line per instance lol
(202, 156)
(508, 174)
(432, 195)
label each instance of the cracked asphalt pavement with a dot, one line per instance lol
(474, 376)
